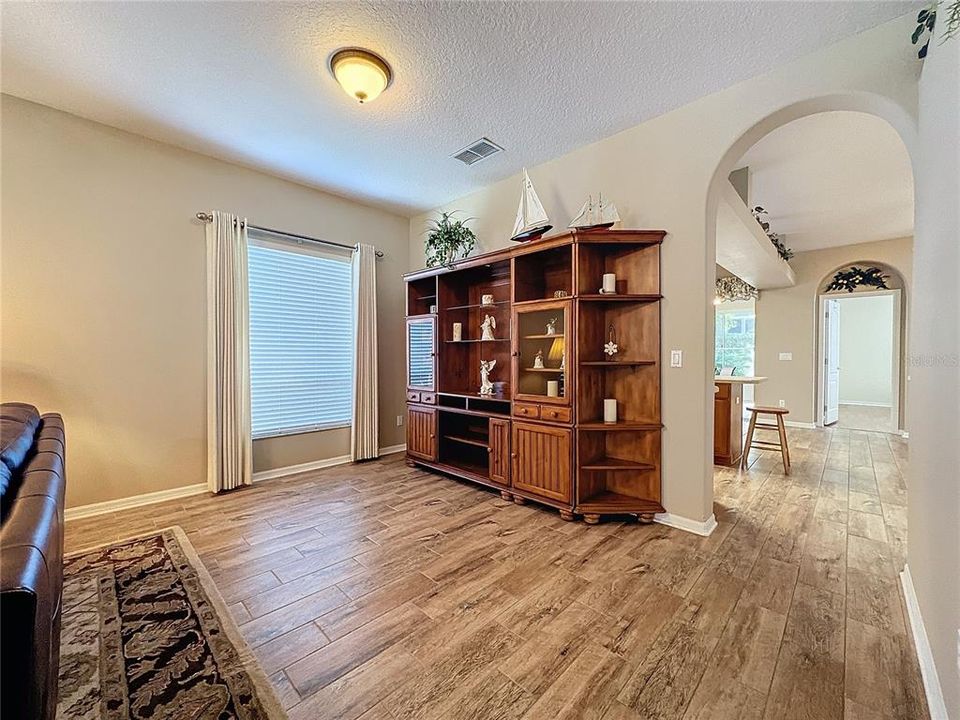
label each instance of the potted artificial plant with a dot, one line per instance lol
(448, 240)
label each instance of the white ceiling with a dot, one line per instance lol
(247, 82)
(832, 179)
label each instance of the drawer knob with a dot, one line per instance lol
(513, 455)
(489, 450)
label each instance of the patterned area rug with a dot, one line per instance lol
(146, 635)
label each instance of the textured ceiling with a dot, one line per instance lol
(247, 82)
(833, 179)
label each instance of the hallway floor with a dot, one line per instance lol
(864, 417)
(383, 592)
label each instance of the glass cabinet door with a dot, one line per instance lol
(541, 354)
(421, 353)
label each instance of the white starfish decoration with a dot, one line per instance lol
(611, 349)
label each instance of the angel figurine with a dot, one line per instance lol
(486, 366)
(538, 360)
(552, 326)
(487, 327)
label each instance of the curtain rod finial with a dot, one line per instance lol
(204, 217)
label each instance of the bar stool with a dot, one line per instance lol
(778, 412)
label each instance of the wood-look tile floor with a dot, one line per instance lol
(384, 592)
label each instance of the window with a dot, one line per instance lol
(735, 337)
(301, 337)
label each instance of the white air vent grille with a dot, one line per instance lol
(479, 150)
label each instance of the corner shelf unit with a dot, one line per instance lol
(540, 436)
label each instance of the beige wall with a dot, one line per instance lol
(787, 322)
(934, 509)
(659, 174)
(103, 295)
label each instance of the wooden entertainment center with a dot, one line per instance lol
(533, 439)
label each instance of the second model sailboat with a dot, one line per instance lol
(594, 217)
(532, 220)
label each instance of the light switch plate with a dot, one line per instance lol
(676, 358)
(786, 356)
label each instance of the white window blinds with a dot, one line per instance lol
(301, 336)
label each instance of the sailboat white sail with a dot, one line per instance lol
(601, 215)
(532, 220)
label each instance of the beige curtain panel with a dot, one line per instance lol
(229, 439)
(364, 435)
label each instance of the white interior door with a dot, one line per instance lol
(831, 361)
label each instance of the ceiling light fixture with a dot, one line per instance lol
(363, 75)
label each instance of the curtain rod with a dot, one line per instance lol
(206, 217)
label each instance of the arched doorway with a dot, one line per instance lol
(868, 103)
(860, 373)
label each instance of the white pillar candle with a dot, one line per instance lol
(609, 282)
(457, 332)
(610, 410)
(553, 388)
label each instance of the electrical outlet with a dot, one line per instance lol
(786, 356)
(783, 403)
(399, 420)
(676, 358)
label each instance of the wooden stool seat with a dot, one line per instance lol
(778, 413)
(769, 410)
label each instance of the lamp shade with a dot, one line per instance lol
(363, 75)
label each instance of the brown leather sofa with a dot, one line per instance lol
(32, 480)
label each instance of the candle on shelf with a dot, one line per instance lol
(457, 332)
(553, 388)
(610, 410)
(609, 282)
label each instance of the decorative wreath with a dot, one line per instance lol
(855, 276)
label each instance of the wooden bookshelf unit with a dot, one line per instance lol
(541, 436)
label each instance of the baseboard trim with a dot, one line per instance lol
(798, 424)
(867, 404)
(301, 468)
(317, 464)
(108, 506)
(928, 669)
(698, 527)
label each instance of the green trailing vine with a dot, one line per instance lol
(448, 240)
(775, 238)
(927, 21)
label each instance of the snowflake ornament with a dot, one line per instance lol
(611, 349)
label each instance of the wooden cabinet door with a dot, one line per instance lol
(500, 451)
(541, 461)
(422, 433)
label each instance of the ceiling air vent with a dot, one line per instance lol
(477, 151)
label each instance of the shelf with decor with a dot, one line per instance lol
(539, 435)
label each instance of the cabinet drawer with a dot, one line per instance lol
(555, 414)
(526, 410)
(428, 398)
(413, 396)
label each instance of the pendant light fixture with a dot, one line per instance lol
(362, 74)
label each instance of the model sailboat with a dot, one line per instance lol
(593, 217)
(532, 220)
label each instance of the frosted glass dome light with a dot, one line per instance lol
(363, 75)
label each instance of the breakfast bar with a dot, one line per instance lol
(728, 417)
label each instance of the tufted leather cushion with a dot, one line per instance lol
(18, 427)
(31, 563)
